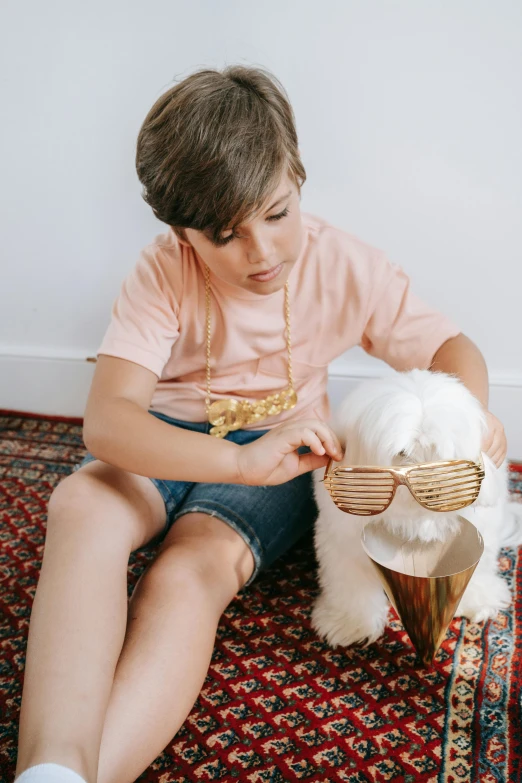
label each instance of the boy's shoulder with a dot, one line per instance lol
(328, 240)
(163, 259)
(164, 245)
(161, 273)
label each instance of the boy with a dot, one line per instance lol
(205, 417)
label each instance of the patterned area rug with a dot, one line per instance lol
(278, 704)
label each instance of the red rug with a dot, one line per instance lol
(278, 704)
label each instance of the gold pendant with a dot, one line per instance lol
(226, 416)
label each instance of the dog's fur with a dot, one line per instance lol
(418, 416)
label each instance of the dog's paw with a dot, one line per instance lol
(345, 628)
(484, 599)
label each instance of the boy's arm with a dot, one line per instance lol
(461, 357)
(119, 430)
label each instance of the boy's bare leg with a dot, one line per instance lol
(173, 618)
(97, 516)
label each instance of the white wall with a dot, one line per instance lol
(409, 116)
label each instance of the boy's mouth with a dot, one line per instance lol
(263, 277)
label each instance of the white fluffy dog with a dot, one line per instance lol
(405, 418)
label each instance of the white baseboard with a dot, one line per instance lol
(57, 384)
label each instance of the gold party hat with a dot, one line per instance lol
(424, 581)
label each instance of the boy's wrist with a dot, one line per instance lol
(233, 470)
(214, 460)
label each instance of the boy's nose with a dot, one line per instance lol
(259, 251)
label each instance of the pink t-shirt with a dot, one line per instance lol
(343, 293)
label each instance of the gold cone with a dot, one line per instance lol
(424, 581)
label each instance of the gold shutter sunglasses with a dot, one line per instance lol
(367, 490)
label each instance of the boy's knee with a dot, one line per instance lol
(220, 567)
(83, 505)
(71, 495)
(80, 494)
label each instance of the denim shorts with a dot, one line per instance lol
(270, 519)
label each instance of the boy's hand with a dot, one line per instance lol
(495, 443)
(273, 458)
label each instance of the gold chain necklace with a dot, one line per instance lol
(227, 415)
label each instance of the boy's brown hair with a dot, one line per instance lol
(215, 146)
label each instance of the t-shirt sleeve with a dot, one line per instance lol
(144, 324)
(401, 329)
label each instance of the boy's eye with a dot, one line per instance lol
(225, 240)
(282, 214)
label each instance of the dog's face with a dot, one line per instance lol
(409, 418)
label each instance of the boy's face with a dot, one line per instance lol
(262, 252)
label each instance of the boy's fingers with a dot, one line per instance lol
(497, 447)
(492, 446)
(292, 439)
(327, 436)
(315, 435)
(331, 442)
(308, 462)
(313, 441)
(487, 442)
(494, 442)
(498, 457)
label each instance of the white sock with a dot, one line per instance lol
(49, 773)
